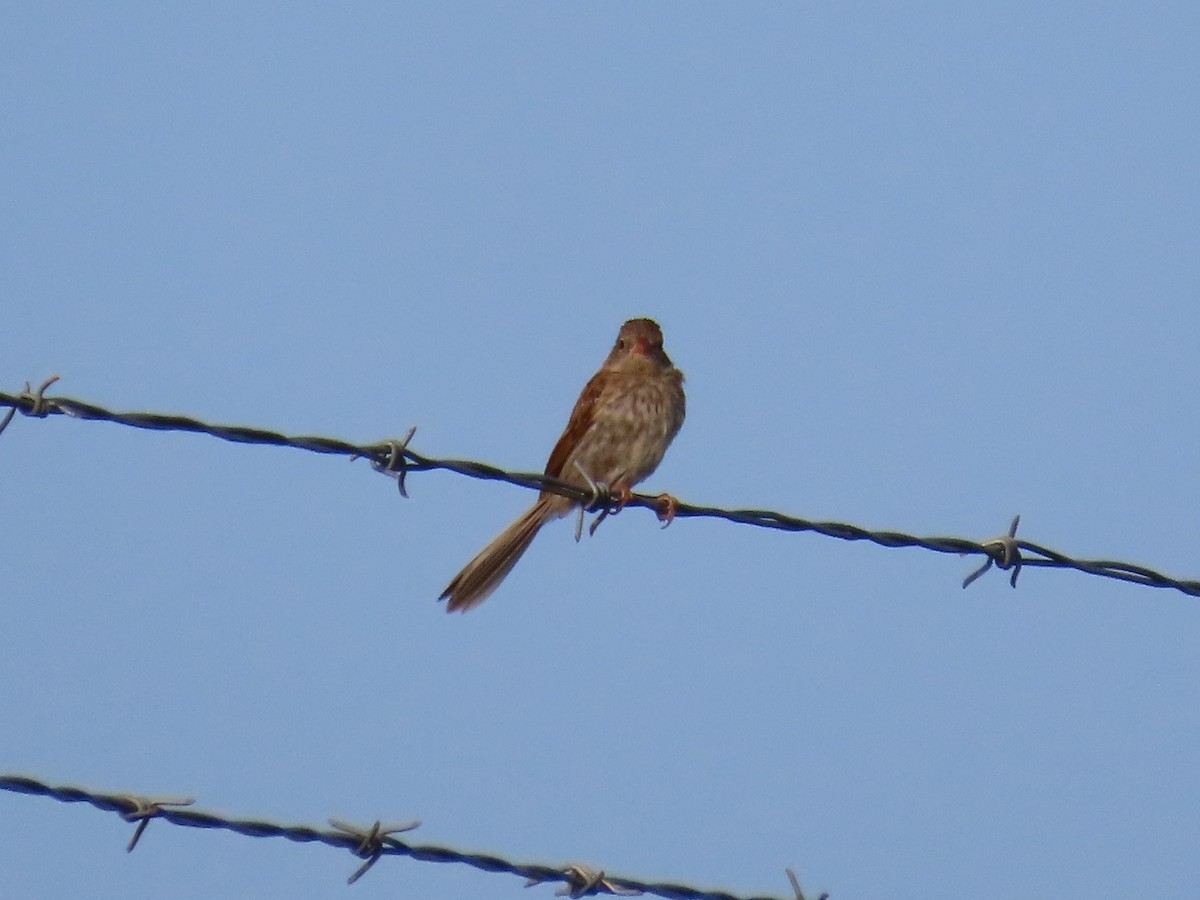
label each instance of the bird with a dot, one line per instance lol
(625, 418)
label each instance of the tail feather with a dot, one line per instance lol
(483, 574)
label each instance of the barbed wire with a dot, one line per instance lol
(369, 843)
(396, 459)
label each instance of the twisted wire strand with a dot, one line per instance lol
(579, 879)
(396, 458)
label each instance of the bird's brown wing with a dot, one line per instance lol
(581, 420)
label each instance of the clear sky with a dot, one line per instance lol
(926, 266)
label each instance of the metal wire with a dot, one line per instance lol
(370, 843)
(397, 459)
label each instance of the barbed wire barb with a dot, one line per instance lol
(371, 843)
(395, 465)
(35, 400)
(1004, 552)
(396, 459)
(791, 874)
(146, 808)
(583, 880)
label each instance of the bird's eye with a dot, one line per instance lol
(620, 343)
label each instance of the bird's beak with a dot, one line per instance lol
(640, 346)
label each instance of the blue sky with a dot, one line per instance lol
(925, 266)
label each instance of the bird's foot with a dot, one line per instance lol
(667, 507)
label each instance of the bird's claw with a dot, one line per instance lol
(667, 507)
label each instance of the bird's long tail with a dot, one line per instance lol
(483, 574)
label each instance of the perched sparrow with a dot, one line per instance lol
(619, 430)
